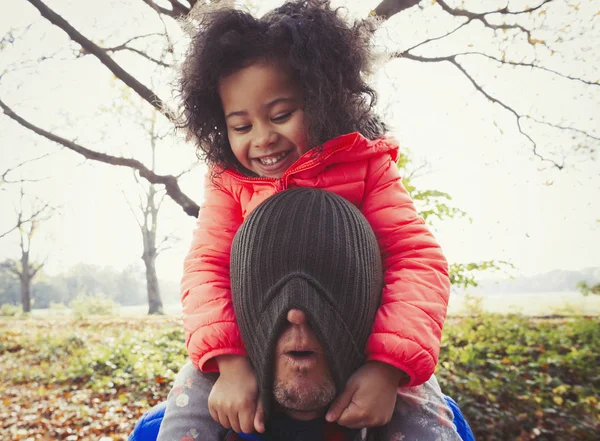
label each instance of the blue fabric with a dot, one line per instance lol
(251, 436)
(148, 425)
(462, 427)
(146, 429)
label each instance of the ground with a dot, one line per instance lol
(73, 379)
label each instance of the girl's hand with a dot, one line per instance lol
(233, 400)
(369, 397)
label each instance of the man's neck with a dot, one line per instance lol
(283, 427)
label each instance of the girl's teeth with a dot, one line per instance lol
(272, 159)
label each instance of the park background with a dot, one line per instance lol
(496, 106)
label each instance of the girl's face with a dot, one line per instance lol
(263, 109)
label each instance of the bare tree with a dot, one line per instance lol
(27, 224)
(6, 178)
(149, 207)
(148, 224)
(508, 27)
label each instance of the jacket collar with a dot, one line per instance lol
(354, 145)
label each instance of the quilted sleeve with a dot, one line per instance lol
(208, 317)
(408, 325)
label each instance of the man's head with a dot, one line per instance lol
(306, 281)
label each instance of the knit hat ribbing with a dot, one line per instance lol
(311, 250)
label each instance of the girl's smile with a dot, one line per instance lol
(266, 127)
(274, 164)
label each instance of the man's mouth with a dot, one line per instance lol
(301, 354)
(273, 159)
(302, 360)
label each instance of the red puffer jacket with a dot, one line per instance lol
(408, 325)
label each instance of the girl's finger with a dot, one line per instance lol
(352, 417)
(223, 420)
(339, 405)
(214, 414)
(235, 422)
(247, 420)
(259, 418)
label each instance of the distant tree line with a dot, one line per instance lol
(126, 286)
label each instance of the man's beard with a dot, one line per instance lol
(304, 399)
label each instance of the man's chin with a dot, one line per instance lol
(303, 399)
(302, 415)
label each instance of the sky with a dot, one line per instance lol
(519, 209)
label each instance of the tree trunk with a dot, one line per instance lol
(26, 294)
(155, 305)
(25, 277)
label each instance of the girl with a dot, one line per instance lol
(281, 102)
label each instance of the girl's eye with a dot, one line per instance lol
(282, 118)
(242, 129)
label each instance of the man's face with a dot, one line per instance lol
(303, 386)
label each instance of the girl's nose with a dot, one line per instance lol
(265, 137)
(296, 317)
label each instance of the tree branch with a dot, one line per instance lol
(139, 52)
(160, 9)
(388, 8)
(505, 10)
(562, 127)
(131, 209)
(170, 182)
(7, 232)
(139, 37)
(12, 267)
(103, 57)
(482, 17)
(429, 40)
(20, 221)
(178, 10)
(36, 268)
(32, 228)
(12, 169)
(123, 46)
(452, 60)
(162, 242)
(160, 201)
(530, 65)
(162, 246)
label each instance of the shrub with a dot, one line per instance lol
(58, 309)
(519, 378)
(84, 306)
(58, 306)
(8, 310)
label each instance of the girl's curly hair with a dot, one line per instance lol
(328, 57)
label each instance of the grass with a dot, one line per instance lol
(515, 377)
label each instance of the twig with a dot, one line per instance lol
(103, 57)
(452, 60)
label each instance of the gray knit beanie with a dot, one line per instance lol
(311, 250)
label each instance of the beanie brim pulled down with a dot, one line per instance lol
(302, 292)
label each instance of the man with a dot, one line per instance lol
(306, 281)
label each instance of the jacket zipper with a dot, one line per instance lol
(281, 183)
